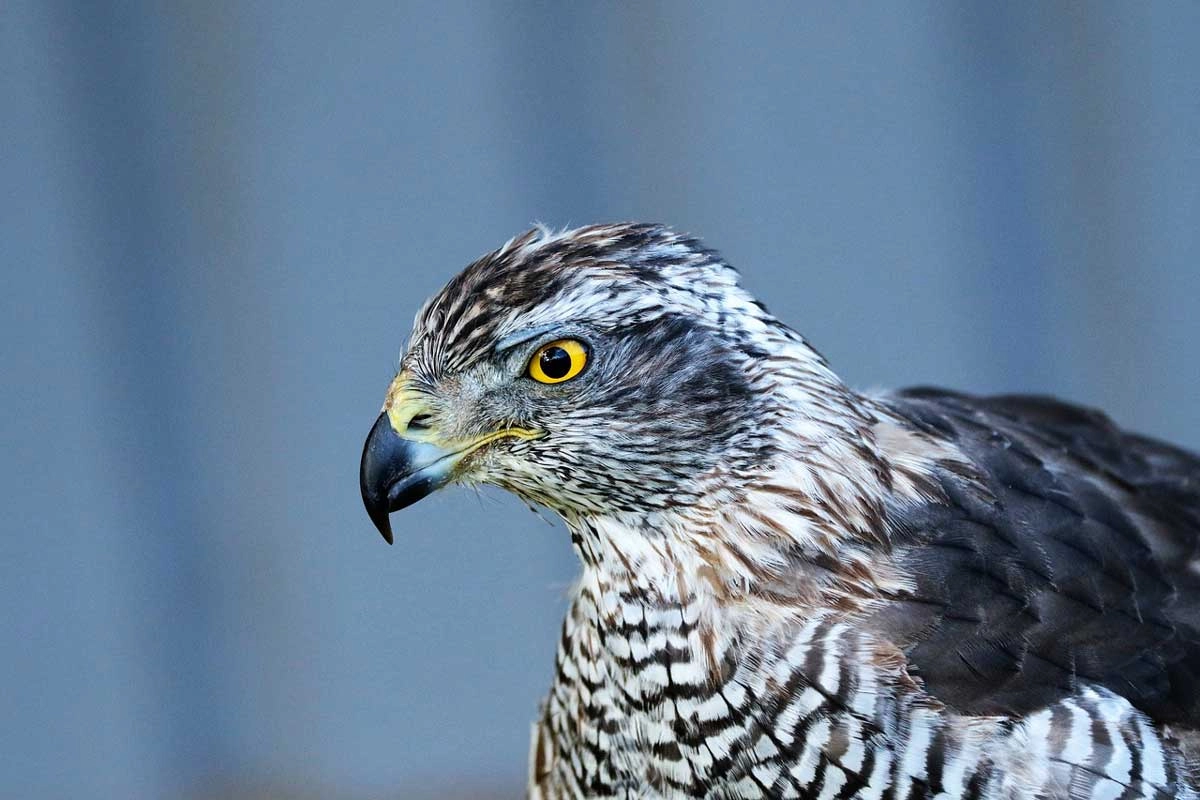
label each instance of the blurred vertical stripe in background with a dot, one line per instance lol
(218, 220)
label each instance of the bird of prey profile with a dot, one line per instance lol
(791, 589)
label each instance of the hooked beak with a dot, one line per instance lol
(396, 472)
(401, 463)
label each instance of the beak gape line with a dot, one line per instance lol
(397, 471)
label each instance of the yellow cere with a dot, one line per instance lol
(558, 361)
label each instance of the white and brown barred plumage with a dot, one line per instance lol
(790, 589)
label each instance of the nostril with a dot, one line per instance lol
(420, 422)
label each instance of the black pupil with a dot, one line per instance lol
(556, 362)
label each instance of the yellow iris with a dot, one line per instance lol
(558, 361)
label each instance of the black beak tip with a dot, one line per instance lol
(385, 528)
(397, 472)
(377, 510)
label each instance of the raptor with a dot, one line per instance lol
(791, 589)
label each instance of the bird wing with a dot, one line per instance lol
(1078, 563)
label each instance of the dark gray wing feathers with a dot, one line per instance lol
(1078, 561)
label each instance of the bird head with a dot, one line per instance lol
(611, 369)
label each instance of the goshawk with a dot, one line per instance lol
(791, 589)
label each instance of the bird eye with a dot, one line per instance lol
(558, 361)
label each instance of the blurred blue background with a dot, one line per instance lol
(218, 220)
